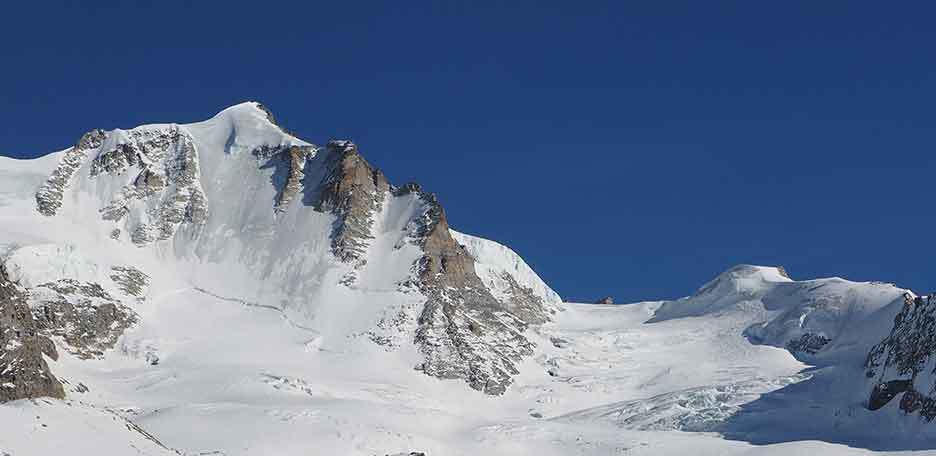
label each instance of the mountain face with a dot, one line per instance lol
(242, 208)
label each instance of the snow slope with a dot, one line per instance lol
(495, 260)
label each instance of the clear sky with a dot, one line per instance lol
(632, 149)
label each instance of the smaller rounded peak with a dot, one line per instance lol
(246, 125)
(247, 108)
(747, 270)
(745, 277)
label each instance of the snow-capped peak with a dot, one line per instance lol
(744, 279)
(244, 126)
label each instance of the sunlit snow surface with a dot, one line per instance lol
(247, 345)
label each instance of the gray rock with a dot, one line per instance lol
(896, 362)
(524, 303)
(24, 372)
(808, 343)
(87, 318)
(49, 195)
(297, 156)
(354, 191)
(464, 332)
(559, 342)
(130, 280)
(169, 180)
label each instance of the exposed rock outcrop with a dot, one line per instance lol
(129, 280)
(297, 156)
(24, 372)
(809, 343)
(523, 302)
(464, 331)
(49, 195)
(605, 300)
(167, 187)
(354, 191)
(903, 363)
(86, 317)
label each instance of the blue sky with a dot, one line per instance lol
(632, 149)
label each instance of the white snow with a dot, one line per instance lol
(493, 260)
(35, 264)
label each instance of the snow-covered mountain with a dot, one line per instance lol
(248, 211)
(281, 297)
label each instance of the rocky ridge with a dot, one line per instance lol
(354, 191)
(464, 331)
(903, 363)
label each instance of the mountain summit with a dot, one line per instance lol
(236, 206)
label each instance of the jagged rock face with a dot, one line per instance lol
(166, 190)
(464, 331)
(808, 343)
(88, 319)
(605, 300)
(903, 362)
(353, 191)
(49, 196)
(523, 302)
(23, 371)
(297, 159)
(82, 317)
